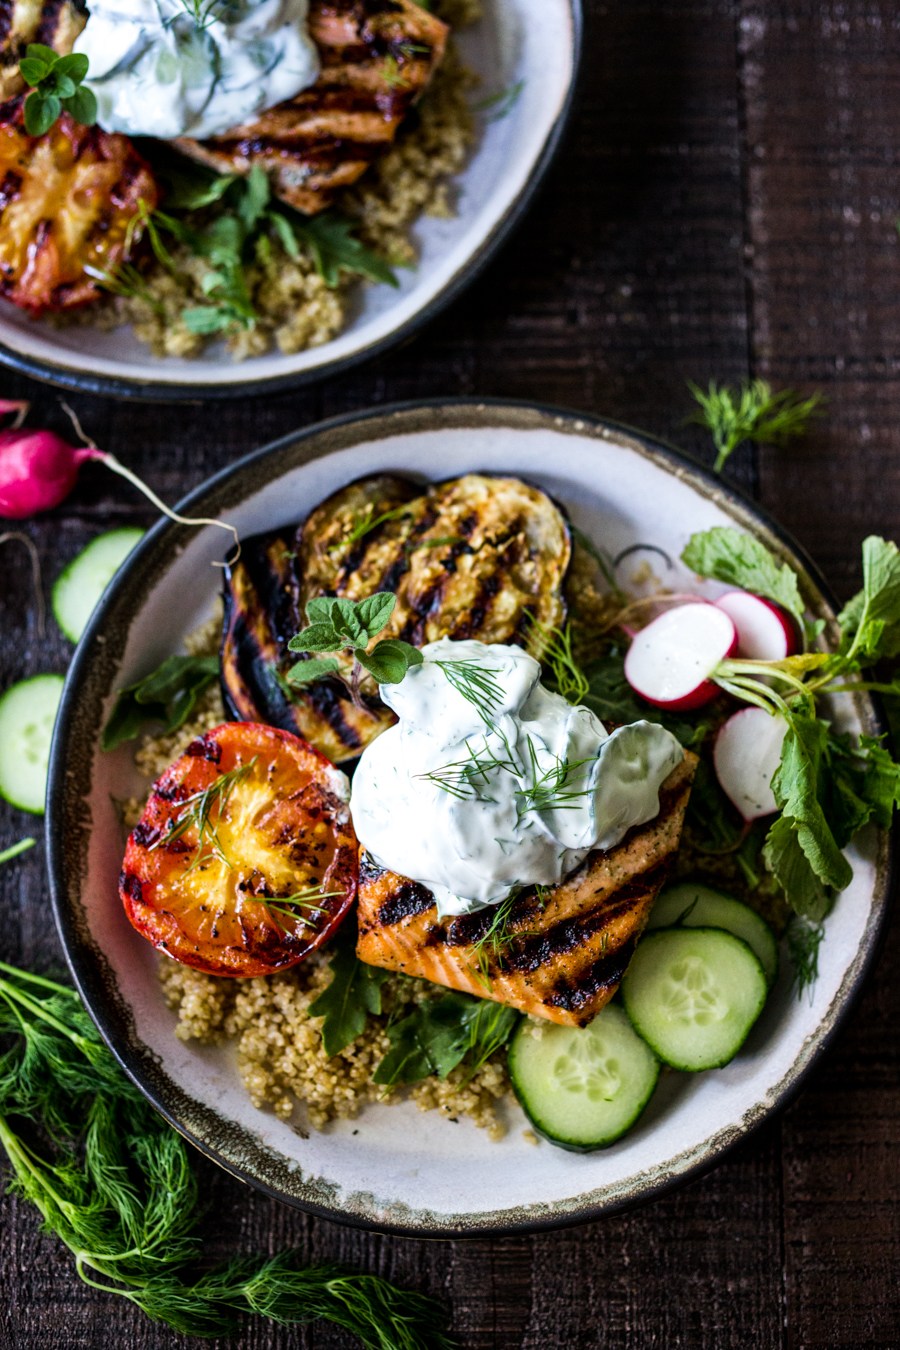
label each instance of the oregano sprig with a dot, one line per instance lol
(56, 87)
(337, 625)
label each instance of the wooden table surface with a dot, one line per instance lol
(725, 206)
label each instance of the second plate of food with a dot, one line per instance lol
(203, 281)
(490, 522)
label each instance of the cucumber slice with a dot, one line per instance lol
(692, 905)
(80, 585)
(27, 713)
(582, 1087)
(693, 994)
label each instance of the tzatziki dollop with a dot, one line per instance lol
(489, 781)
(163, 68)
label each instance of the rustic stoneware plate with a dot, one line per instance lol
(394, 1167)
(527, 47)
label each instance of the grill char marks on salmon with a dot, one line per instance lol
(377, 58)
(563, 952)
(472, 557)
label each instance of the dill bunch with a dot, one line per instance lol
(754, 412)
(114, 1182)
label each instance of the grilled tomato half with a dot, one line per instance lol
(69, 201)
(245, 858)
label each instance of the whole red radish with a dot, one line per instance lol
(669, 663)
(764, 631)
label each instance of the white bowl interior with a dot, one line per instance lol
(530, 43)
(395, 1165)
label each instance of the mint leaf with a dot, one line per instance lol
(390, 660)
(440, 1034)
(870, 622)
(737, 559)
(354, 993)
(168, 695)
(374, 612)
(318, 637)
(305, 672)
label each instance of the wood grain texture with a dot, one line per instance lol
(724, 206)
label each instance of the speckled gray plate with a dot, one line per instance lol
(394, 1167)
(529, 48)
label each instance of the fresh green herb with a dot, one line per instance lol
(168, 695)
(611, 697)
(56, 87)
(553, 788)
(467, 779)
(287, 906)
(562, 672)
(478, 685)
(196, 813)
(125, 280)
(498, 934)
(364, 522)
(114, 1182)
(335, 249)
(803, 942)
(827, 786)
(21, 846)
(754, 412)
(604, 563)
(203, 12)
(501, 103)
(737, 559)
(440, 1034)
(550, 788)
(352, 995)
(339, 625)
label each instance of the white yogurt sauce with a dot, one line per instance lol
(156, 71)
(474, 803)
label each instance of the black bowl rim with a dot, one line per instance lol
(163, 391)
(88, 976)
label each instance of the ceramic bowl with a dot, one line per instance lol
(521, 46)
(394, 1167)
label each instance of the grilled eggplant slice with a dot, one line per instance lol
(472, 557)
(377, 57)
(561, 955)
(53, 23)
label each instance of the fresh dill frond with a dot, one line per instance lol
(551, 789)
(804, 939)
(495, 938)
(467, 778)
(128, 283)
(501, 103)
(563, 674)
(478, 685)
(752, 412)
(196, 813)
(364, 522)
(287, 906)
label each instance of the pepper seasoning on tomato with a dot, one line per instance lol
(244, 859)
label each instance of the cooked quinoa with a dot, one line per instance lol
(295, 308)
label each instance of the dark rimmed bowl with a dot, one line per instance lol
(518, 46)
(430, 1176)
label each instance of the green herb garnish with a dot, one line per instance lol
(501, 103)
(56, 87)
(562, 673)
(478, 685)
(339, 625)
(737, 559)
(803, 942)
(754, 412)
(14, 850)
(168, 695)
(287, 906)
(440, 1034)
(196, 813)
(114, 1182)
(352, 995)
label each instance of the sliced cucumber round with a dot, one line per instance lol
(79, 586)
(27, 714)
(582, 1087)
(693, 994)
(692, 905)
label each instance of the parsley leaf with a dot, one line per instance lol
(440, 1034)
(754, 412)
(354, 993)
(730, 556)
(56, 84)
(168, 695)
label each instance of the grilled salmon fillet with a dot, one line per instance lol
(55, 23)
(472, 557)
(562, 954)
(377, 57)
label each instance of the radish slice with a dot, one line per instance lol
(746, 754)
(765, 633)
(670, 661)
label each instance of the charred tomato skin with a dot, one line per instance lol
(69, 202)
(281, 828)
